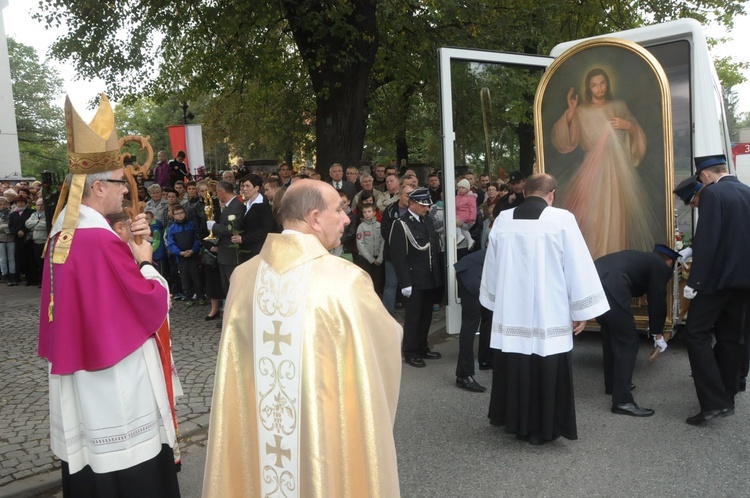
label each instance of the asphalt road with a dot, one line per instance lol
(446, 447)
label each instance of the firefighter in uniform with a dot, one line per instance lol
(414, 250)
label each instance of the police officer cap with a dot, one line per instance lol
(702, 163)
(516, 177)
(421, 195)
(687, 189)
(666, 250)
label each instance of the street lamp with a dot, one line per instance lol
(186, 115)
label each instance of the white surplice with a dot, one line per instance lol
(538, 278)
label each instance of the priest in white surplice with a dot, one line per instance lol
(541, 284)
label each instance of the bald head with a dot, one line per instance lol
(540, 185)
(315, 208)
(302, 197)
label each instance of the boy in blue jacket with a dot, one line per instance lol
(182, 242)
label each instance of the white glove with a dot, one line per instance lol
(210, 225)
(660, 343)
(685, 254)
(689, 292)
(406, 291)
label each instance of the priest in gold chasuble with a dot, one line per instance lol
(309, 368)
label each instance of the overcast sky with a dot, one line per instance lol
(20, 26)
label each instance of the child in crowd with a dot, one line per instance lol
(158, 246)
(370, 244)
(466, 212)
(182, 242)
(175, 284)
(120, 225)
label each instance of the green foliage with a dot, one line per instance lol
(41, 126)
(294, 78)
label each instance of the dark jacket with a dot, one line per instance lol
(257, 223)
(414, 268)
(347, 187)
(469, 271)
(17, 222)
(182, 237)
(628, 274)
(721, 238)
(229, 255)
(390, 214)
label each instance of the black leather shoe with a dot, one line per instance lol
(213, 317)
(431, 355)
(416, 361)
(470, 384)
(707, 415)
(485, 366)
(631, 409)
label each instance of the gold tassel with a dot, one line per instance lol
(51, 308)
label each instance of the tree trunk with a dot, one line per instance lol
(527, 154)
(339, 51)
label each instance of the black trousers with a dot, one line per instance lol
(620, 348)
(474, 317)
(225, 271)
(376, 272)
(716, 371)
(190, 277)
(417, 321)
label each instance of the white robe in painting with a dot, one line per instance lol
(538, 278)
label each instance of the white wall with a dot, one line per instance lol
(10, 158)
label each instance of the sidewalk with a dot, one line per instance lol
(27, 466)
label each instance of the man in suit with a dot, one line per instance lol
(473, 316)
(229, 223)
(414, 250)
(337, 180)
(624, 275)
(719, 285)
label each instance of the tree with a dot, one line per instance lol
(334, 62)
(41, 126)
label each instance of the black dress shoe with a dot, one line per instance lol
(631, 409)
(485, 366)
(416, 361)
(430, 355)
(470, 384)
(213, 317)
(707, 415)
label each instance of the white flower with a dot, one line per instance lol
(232, 217)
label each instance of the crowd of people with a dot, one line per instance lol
(23, 232)
(309, 374)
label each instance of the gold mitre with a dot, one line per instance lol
(92, 148)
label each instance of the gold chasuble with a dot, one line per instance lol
(307, 380)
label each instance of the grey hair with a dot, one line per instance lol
(154, 187)
(364, 177)
(90, 179)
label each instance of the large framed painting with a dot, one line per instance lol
(603, 130)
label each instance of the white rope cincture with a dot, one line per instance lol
(415, 244)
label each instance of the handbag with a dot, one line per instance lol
(208, 258)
